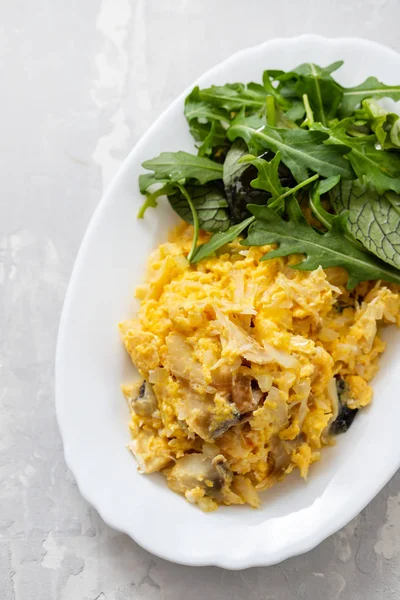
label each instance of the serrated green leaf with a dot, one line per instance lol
(387, 130)
(235, 96)
(330, 249)
(380, 168)
(373, 220)
(206, 148)
(268, 176)
(323, 92)
(268, 78)
(263, 120)
(197, 108)
(205, 122)
(176, 166)
(385, 124)
(209, 202)
(311, 69)
(370, 88)
(201, 131)
(300, 150)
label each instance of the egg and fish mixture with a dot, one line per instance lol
(247, 367)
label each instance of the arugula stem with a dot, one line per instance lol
(195, 221)
(151, 201)
(292, 191)
(309, 113)
(322, 215)
(271, 112)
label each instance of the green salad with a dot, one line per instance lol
(297, 161)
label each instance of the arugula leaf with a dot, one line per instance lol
(235, 96)
(373, 220)
(269, 180)
(233, 168)
(223, 103)
(197, 108)
(384, 124)
(311, 69)
(238, 176)
(277, 203)
(146, 180)
(380, 168)
(206, 148)
(170, 169)
(175, 166)
(282, 118)
(268, 77)
(209, 202)
(220, 239)
(205, 122)
(268, 175)
(323, 92)
(387, 130)
(229, 121)
(370, 88)
(200, 131)
(300, 150)
(297, 111)
(330, 249)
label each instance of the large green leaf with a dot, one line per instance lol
(370, 88)
(372, 219)
(209, 202)
(176, 166)
(371, 163)
(235, 96)
(301, 150)
(220, 239)
(268, 175)
(208, 135)
(323, 92)
(146, 180)
(197, 108)
(330, 249)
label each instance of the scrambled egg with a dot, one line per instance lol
(247, 367)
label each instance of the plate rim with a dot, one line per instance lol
(212, 559)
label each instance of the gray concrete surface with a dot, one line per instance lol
(81, 82)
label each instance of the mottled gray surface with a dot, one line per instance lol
(81, 81)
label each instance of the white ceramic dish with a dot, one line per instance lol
(91, 364)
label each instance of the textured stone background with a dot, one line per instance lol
(81, 82)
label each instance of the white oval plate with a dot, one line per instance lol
(91, 364)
